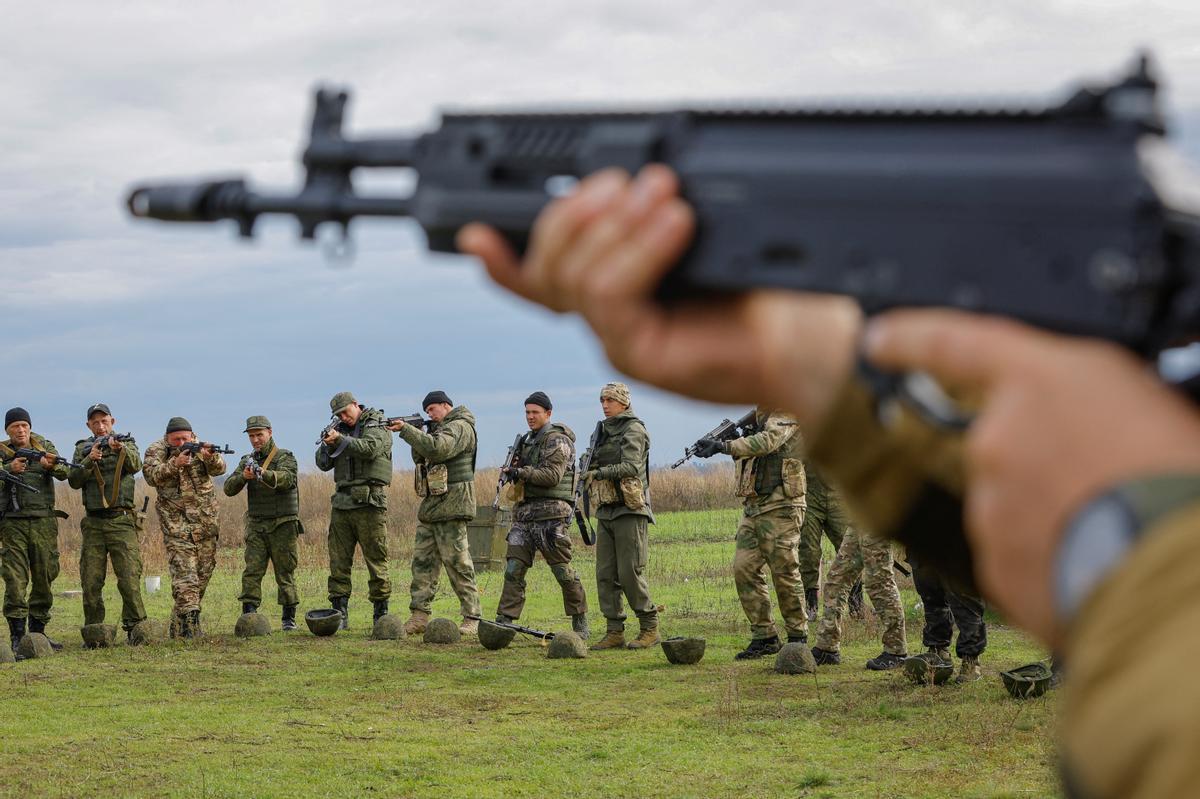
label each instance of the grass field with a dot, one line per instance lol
(297, 716)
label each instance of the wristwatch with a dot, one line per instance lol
(1101, 534)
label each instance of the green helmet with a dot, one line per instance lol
(250, 625)
(442, 631)
(323, 621)
(388, 627)
(683, 651)
(493, 636)
(566, 645)
(1028, 681)
(98, 636)
(928, 669)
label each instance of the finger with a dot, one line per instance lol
(498, 258)
(653, 250)
(956, 347)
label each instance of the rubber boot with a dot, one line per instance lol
(381, 609)
(288, 622)
(416, 623)
(16, 631)
(37, 626)
(249, 607)
(759, 647)
(810, 602)
(579, 624)
(342, 605)
(647, 637)
(613, 639)
(855, 601)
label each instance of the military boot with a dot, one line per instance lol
(758, 648)
(968, 671)
(288, 622)
(797, 638)
(194, 624)
(381, 609)
(249, 607)
(855, 602)
(181, 625)
(942, 652)
(342, 605)
(39, 626)
(469, 627)
(579, 624)
(810, 601)
(647, 637)
(885, 661)
(16, 631)
(613, 639)
(416, 623)
(826, 657)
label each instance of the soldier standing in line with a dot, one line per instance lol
(272, 522)
(824, 515)
(544, 479)
(359, 451)
(186, 503)
(871, 556)
(444, 478)
(945, 608)
(771, 481)
(106, 476)
(618, 483)
(29, 527)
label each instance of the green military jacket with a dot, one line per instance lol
(274, 498)
(104, 489)
(444, 477)
(364, 468)
(547, 473)
(622, 461)
(21, 503)
(769, 464)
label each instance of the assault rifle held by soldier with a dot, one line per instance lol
(107, 441)
(254, 466)
(196, 447)
(581, 507)
(415, 419)
(512, 459)
(1070, 215)
(725, 431)
(30, 454)
(16, 482)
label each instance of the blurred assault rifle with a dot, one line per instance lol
(725, 431)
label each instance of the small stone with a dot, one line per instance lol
(442, 631)
(251, 625)
(795, 658)
(388, 627)
(566, 645)
(98, 636)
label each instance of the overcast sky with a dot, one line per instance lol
(162, 320)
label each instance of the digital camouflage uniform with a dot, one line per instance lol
(109, 529)
(871, 556)
(770, 479)
(619, 488)
(542, 518)
(186, 503)
(444, 478)
(272, 523)
(29, 533)
(361, 474)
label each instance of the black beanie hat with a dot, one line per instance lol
(434, 397)
(16, 415)
(539, 398)
(178, 423)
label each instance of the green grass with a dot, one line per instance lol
(296, 716)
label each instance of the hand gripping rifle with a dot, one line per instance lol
(195, 448)
(725, 431)
(581, 508)
(254, 466)
(30, 454)
(512, 459)
(106, 441)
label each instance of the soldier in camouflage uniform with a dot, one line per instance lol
(272, 519)
(110, 526)
(186, 503)
(444, 478)
(543, 482)
(28, 527)
(618, 484)
(861, 552)
(824, 515)
(770, 479)
(945, 608)
(359, 451)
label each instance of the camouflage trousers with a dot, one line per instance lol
(769, 541)
(29, 553)
(439, 544)
(365, 528)
(112, 538)
(553, 541)
(862, 553)
(266, 542)
(825, 516)
(191, 558)
(621, 553)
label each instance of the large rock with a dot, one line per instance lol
(683, 651)
(442, 631)
(566, 645)
(795, 658)
(6, 652)
(388, 627)
(252, 625)
(323, 621)
(147, 631)
(493, 636)
(98, 636)
(34, 645)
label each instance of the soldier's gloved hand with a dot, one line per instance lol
(707, 447)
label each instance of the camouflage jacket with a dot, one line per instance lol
(21, 503)
(555, 455)
(274, 498)
(364, 469)
(621, 459)
(451, 445)
(770, 464)
(186, 495)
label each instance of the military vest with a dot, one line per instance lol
(768, 473)
(264, 502)
(461, 468)
(30, 504)
(531, 455)
(351, 471)
(101, 493)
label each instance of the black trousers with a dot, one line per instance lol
(944, 609)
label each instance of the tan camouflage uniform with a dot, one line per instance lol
(771, 481)
(186, 503)
(859, 553)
